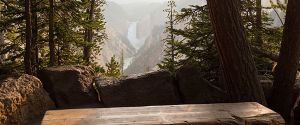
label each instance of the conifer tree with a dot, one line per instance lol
(27, 57)
(286, 70)
(51, 33)
(240, 73)
(69, 23)
(113, 68)
(197, 41)
(169, 63)
(196, 44)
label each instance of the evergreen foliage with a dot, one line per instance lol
(195, 45)
(113, 68)
(197, 41)
(70, 22)
(171, 54)
(264, 37)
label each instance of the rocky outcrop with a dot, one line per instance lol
(23, 101)
(70, 86)
(154, 88)
(195, 89)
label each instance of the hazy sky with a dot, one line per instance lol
(130, 1)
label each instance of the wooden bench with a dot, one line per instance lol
(248, 113)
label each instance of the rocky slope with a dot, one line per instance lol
(116, 29)
(152, 27)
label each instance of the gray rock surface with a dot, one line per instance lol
(154, 88)
(196, 90)
(70, 86)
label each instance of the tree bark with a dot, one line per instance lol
(89, 32)
(235, 55)
(34, 57)
(27, 57)
(258, 23)
(51, 33)
(1, 43)
(286, 70)
(1, 38)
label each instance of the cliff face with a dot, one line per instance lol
(142, 44)
(149, 55)
(114, 45)
(151, 27)
(117, 22)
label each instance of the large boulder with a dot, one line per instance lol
(196, 90)
(23, 101)
(154, 88)
(70, 86)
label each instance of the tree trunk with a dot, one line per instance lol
(34, 57)
(1, 38)
(1, 43)
(235, 55)
(89, 34)
(258, 23)
(286, 70)
(51, 33)
(27, 57)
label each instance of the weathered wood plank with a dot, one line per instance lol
(238, 113)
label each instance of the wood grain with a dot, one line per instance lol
(206, 114)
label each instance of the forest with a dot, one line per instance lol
(235, 45)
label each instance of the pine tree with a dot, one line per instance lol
(196, 43)
(89, 33)
(239, 68)
(67, 33)
(28, 48)
(286, 70)
(113, 68)
(261, 34)
(1, 38)
(51, 33)
(170, 63)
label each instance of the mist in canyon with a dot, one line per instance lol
(135, 30)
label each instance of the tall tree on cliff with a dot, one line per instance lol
(51, 33)
(27, 57)
(89, 33)
(235, 55)
(94, 31)
(169, 63)
(286, 70)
